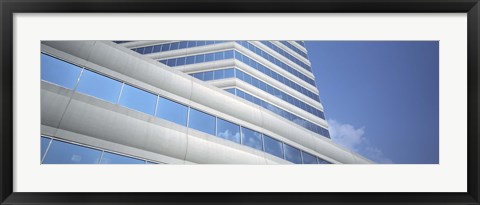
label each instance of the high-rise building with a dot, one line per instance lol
(183, 102)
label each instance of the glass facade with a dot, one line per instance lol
(59, 72)
(172, 111)
(201, 121)
(99, 86)
(287, 55)
(63, 152)
(295, 49)
(228, 130)
(90, 83)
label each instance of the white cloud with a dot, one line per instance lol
(346, 134)
(353, 138)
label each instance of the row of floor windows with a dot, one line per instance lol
(295, 49)
(90, 83)
(301, 43)
(257, 66)
(289, 116)
(221, 55)
(227, 73)
(55, 151)
(190, 44)
(277, 62)
(286, 54)
(209, 75)
(173, 46)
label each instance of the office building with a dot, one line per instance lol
(183, 102)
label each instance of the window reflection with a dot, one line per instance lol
(59, 72)
(273, 146)
(99, 86)
(201, 121)
(66, 153)
(172, 111)
(228, 130)
(137, 99)
(43, 146)
(251, 138)
(293, 154)
(308, 158)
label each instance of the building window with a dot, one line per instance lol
(308, 158)
(66, 153)
(44, 142)
(137, 99)
(251, 138)
(228, 130)
(273, 146)
(201, 121)
(99, 86)
(293, 154)
(172, 111)
(59, 72)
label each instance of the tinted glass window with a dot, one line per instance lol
(199, 58)
(172, 111)
(190, 60)
(228, 130)
(292, 154)
(66, 153)
(99, 86)
(110, 158)
(218, 74)
(202, 121)
(209, 57)
(208, 75)
(308, 158)
(137, 99)
(59, 72)
(273, 146)
(251, 138)
(229, 73)
(228, 54)
(43, 146)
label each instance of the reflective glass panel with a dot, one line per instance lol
(322, 161)
(172, 111)
(137, 99)
(111, 158)
(273, 146)
(59, 72)
(43, 146)
(251, 138)
(308, 158)
(99, 86)
(228, 130)
(202, 122)
(66, 153)
(229, 73)
(292, 154)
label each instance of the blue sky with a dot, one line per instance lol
(380, 97)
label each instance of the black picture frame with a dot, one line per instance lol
(10, 7)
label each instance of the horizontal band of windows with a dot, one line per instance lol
(222, 55)
(295, 49)
(146, 102)
(189, 44)
(287, 55)
(210, 75)
(285, 114)
(54, 151)
(257, 66)
(300, 43)
(173, 46)
(275, 61)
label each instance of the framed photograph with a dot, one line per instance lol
(124, 102)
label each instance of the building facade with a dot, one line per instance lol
(183, 102)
